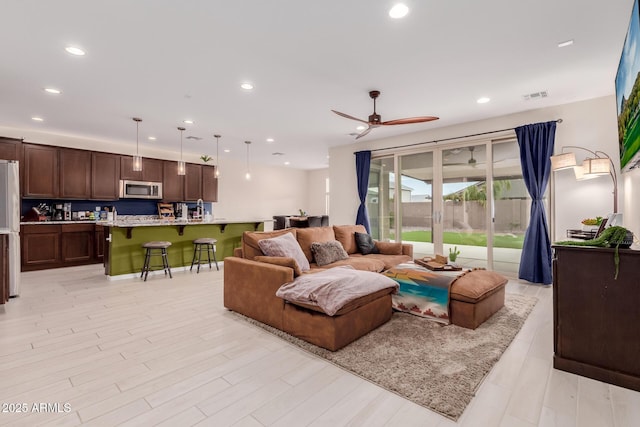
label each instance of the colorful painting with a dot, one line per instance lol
(422, 292)
(628, 95)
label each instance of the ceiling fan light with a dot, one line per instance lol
(398, 11)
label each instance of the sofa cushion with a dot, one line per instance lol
(350, 306)
(365, 244)
(327, 252)
(358, 262)
(250, 239)
(284, 246)
(389, 248)
(345, 234)
(282, 261)
(306, 236)
(389, 261)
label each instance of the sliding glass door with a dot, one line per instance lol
(468, 198)
(415, 203)
(512, 205)
(465, 204)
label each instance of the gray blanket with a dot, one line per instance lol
(333, 288)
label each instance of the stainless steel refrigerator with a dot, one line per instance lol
(10, 218)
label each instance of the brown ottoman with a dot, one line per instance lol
(352, 321)
(475, 296)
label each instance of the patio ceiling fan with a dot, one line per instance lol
(375, 119)
(471, 162)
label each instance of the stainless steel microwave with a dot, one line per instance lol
(140, 190)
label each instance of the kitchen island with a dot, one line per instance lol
(123, 249)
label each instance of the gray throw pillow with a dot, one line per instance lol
(285, 246)
(327, 252)
(365, 244)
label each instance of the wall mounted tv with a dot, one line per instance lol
(628, 95)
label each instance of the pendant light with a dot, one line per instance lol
(181, 167)
(247, 176)
(217, 137)
(137, 159)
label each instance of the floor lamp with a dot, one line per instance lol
(592, 167)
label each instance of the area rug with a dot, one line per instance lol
(436, 366)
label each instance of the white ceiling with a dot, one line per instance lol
(166, 61)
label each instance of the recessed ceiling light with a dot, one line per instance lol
(246, 86)
(565, 43)
(361, 128)
(189, 122)
(270, 139)
(227, 150)
(287, 163)
(52, 90)
(74, 50)
(398, 11)
(152, 138)
(483, 100)
(37, 119)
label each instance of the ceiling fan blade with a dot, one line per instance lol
(349, 117)
(410, 120)
(365, 132)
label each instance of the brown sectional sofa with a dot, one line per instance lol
(252, 279)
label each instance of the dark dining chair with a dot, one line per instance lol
(299, 222)
(314, 221)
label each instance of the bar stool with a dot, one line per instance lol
(154, 249)
(209, 246)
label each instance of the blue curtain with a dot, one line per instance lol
(363, 163)
(536, 148)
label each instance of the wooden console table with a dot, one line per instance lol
(596, 319)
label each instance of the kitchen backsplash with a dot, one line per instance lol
(124, 207)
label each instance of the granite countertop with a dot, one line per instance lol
(149, 221)
(167, 222)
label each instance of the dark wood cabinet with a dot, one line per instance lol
(105, 176)
(595, 316)
(126, 169)
(4, 268)
(40, 246)
(172, 183)
(47, 246)
(99, 243)
(40, 171)
(77, 243)
(193, 182)
(10, 149)
(151, 169)
(75, 173)
(209, 184)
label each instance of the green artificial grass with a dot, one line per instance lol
(470, 239)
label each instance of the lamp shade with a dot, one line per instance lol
(597, 166)
(563, 161)
(581, 175)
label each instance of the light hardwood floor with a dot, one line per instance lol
(166, 352)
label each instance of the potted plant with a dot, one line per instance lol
(453, 254)
(205, 158)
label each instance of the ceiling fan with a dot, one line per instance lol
(471, 162)
(375, 120)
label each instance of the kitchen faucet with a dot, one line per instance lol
(200, 208)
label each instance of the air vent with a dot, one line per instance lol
(277, 154)
(196, 138)
(535, 95)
